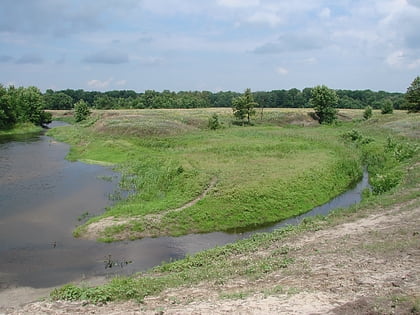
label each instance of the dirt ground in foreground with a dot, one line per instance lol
(367, 266)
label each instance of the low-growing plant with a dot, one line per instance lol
(384, 182)
(401, 151)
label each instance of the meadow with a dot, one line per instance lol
(283, 165)
(388, 145)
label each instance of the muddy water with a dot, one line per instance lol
(41, 198)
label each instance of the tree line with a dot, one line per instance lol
(19, 105)
(293, 98)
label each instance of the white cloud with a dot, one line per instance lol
(402, 60)
(325, 13)
(395, 59)
(98, 84)
(265, 17)
(282, 71)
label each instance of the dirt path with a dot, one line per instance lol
(94, 230)
(367, 266)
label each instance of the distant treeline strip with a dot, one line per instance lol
(294, 98)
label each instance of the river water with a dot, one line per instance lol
(41, 198)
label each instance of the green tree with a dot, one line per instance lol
(57, 100)
(387, 107)
(324, 101)
(30, 105)
(243, 106)
(367, 113)
(7, 114)
(81, 111)
(413, 96)
(214, 122)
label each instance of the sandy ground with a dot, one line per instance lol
(367, 266)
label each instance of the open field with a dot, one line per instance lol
(258, 174)
(363, 260)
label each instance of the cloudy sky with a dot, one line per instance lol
(209, 44)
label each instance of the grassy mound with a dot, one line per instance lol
(264, 173)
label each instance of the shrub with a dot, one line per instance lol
(214, 122)
(384, 182)
(81, 111)
(367, 113)
(387, 107)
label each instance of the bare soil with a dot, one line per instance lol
(367, 265)
(95, 230)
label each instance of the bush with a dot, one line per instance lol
(214, 122)
(384, 182)
(387, 107)
(401, 151)
(81, 111)
(367, 113)
(355, 136)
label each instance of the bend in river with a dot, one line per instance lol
(41, 198)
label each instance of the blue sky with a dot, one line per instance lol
(209, 44)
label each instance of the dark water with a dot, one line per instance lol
(41, 198)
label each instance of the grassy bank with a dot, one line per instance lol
(262, 173)
(388, 144)
(20, 129)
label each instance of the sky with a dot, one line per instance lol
(214, 45)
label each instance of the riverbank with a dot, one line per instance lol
(364, 263)
(20, 129)
(361, 260)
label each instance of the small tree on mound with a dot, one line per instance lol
(81, 111)
(413, 96)
(243, 106)
(367, 114)
(324, 101)
(214, 122)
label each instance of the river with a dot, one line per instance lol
(42, 196)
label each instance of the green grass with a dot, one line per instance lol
(264, 173)
(20, 129)
(221, 264)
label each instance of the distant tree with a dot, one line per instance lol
(57, 100)
(104, 102)
(243, 106)
(324, 101)
(387, 107)
(306, 95)
(413, 96)
(81, 111)
(367, 113)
